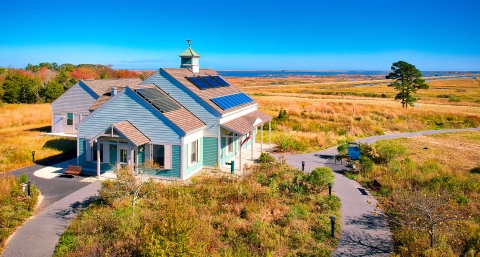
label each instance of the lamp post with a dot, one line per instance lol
(33, 156)
(330, 189)
(332, 221)
(303, 165)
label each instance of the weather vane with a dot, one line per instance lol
(188, 42)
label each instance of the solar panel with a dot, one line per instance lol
(198, 82)
(210, 81)
(230, 101)
(158, 99)
(221, 81)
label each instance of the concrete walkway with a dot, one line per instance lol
(365, 230)
(40, 234)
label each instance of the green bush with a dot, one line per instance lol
(454, 99)
(266, 157)
(320, 177)
(366, 164)
(387, 150)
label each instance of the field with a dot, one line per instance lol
(442, 168)
(322, 115)
(21, 129)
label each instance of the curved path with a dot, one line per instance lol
(365, 230)
(63, 197)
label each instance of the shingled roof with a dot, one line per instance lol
(180, 75)
(246, 123)
(103, 86)
(131, 133)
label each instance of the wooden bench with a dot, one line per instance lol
(73, 170)
(375, 185)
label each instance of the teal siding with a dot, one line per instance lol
(210, 151)
(129, 106)
(175, 171)
(188, 99)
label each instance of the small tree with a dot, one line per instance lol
(407, 80)
(424, 210)
(128, 186)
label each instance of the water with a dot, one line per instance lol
(288, 73)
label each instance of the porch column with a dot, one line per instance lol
(240, 159)
(269, 131)
(261, 140)
(252, 138)
(98, 159)
(136, 159)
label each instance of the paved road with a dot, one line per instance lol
(365, 230)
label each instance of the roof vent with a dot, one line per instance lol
(114, 91)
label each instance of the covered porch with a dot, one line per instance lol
(239, 136)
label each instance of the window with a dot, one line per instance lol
(230, 143)
(94, 154)
(69, 118)
(193, 152)
(186, 60)
(123, 155)
(159, 155)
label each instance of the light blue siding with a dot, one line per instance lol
(210, 150)
(128, 106)
(188, 99)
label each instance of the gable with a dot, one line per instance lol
(127, 106)
(77, 99)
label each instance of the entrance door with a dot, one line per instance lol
(57, 124)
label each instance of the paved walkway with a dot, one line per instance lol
(39, 235)
(365, 230)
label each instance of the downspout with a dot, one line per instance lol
(98, 159)
(182, 157)
(219, 147)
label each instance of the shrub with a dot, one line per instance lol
(282, 115)
(265, 157)
(476, 170)
(343, 148)
(366, 164)
(320, 177)
(454, 99)
(387, 150)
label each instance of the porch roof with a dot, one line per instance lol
(246, 123)
(131, 133)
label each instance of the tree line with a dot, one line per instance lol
(45, 82)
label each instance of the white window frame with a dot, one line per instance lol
(192, 154)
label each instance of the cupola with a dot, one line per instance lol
(189, 59)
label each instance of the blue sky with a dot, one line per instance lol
(247, 34)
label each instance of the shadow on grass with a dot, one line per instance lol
(64, 145)
(46, 129)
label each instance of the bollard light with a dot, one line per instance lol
(332, 221)
(330, 189)
(232, 168)
(33, 156)
(28, 187)
(303, 165)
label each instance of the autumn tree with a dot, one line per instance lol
(424, 210)
(408, 80)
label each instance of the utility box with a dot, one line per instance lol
(354, 151)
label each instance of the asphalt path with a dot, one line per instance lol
(365, 230)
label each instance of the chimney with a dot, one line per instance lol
(114, 91)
